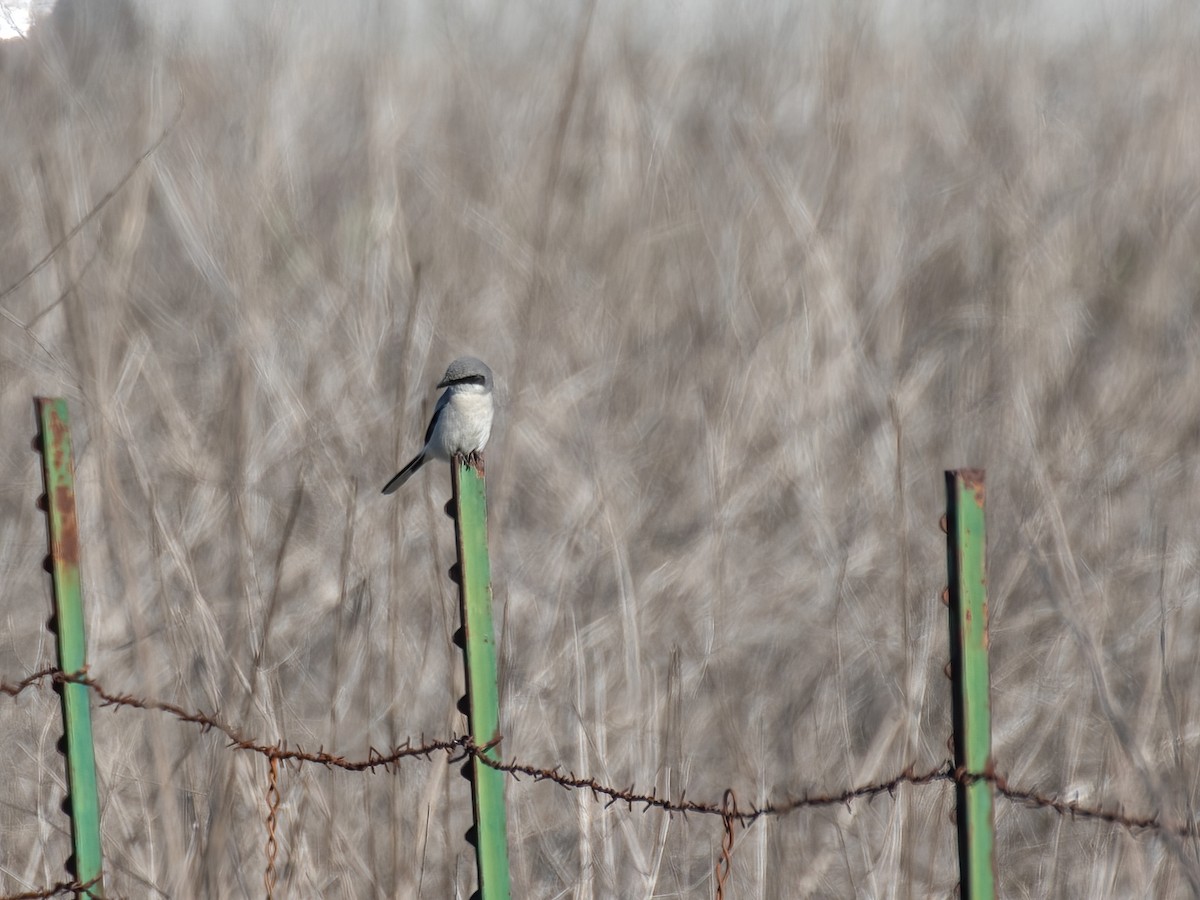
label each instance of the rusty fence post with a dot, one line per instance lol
(966, 543)
(482, 702)
(58, 469)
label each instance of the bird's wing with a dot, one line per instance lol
(437, 411)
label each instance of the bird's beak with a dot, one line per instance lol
(443, 383)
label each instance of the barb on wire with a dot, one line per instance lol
(60, 889)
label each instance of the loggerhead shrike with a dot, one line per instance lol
(462, 419)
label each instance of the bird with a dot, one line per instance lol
(462, 419)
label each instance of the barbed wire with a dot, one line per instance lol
(60, 889)
(237, 740)
(724, 866)
(30, 680)
(631, 797)
(1076, 810)
(273, 799)
(460, 747)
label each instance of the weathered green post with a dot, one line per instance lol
(482, 700)
(59, 472)
(966, 542)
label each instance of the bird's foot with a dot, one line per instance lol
(474, 459)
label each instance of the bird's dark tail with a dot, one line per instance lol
(404, 474)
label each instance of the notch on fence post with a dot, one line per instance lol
(482, 700)
(58, 469)
(966, 543)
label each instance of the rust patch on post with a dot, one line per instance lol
(60, 438)
(973, 479)
(66, 548)
(64, 543)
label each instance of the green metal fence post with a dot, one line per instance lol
(59, 472)
(482, 700)
(966, 542)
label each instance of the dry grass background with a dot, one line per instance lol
(751, 281)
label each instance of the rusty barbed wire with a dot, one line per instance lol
(631, 797)
(237, 740)
(272, 819)
(1037, 800)
(729, 820)
(60, 889)
(459, 747)
(28, 681)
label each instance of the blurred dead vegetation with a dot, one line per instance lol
(750, 282)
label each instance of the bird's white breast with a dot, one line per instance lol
(465, 424)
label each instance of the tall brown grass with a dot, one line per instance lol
(751, 281)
